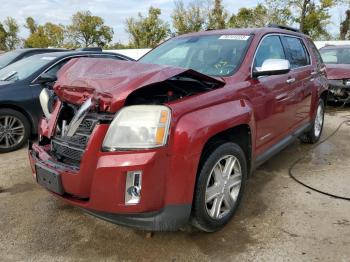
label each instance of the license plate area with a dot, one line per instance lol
(49, 179)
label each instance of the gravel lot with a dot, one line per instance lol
(279, 220)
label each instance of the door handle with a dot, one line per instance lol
(290, 80)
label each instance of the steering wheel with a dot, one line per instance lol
(224, 67)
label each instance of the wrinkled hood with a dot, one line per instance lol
(111, 81)
(338, 71)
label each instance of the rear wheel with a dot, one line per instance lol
(219, 188)
(314, 134)
(14, 130)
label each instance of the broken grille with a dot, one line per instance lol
(70, 150)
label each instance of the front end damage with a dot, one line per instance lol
(338, 76)
(127, 187)
(339, 90)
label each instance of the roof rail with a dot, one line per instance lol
(284, 27)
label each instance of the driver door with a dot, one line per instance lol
(274, 97)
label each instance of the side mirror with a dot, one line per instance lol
(273, 67)
(46, 78)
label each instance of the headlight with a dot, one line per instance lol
(138, 127)
(44, 99)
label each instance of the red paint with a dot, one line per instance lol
(269, 106)
(338, 71)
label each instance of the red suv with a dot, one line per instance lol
(172, 138)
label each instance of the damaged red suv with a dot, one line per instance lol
(172, 138)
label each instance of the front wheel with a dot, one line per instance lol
(314, 134)
(14, 130)
(219, 188)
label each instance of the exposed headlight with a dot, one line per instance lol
(44, 98)
(138, 127)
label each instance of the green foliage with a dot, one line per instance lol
(31, 25)
(118, 45)
(249, 17)
(2, 38)
(188, 19)
(147, 31)
(88, 30)
(217, 16)
(9, 38)
(313, 16)
(48, 35)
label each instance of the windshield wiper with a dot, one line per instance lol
(9, 76)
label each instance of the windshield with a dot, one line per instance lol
(24, 68)
(336, 56)
(214, 55)
(7, 58)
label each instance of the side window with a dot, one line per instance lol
(316, 52)
(53, 70)
(296, 51)
(270, 48)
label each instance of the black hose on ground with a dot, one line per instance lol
(292, 175)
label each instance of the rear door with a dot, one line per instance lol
(301, 76)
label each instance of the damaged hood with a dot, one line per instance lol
(338, 71)
(109, 82)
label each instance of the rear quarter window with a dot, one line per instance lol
(297, 53)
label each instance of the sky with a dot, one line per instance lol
(114, 12)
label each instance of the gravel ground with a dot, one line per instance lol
(279, 220)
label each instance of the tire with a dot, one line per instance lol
(14, 130)
(206, 215)
(314, 134)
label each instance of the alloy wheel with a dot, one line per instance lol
(12, 131)
(319, 121)
(223, 186)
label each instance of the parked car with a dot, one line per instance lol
(16, 55)
(173, 137)
(20, 87)
(337, 60)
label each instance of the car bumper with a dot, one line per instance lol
(339, 90)
(100, 191)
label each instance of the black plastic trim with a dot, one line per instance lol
(170, 218)
(276, 148)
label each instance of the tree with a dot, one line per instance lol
(313, 16)
(217, 16)
(250, 17)
(88, 30)
(48, 35)
(2, 37)
(345, 26)
(189, 19)
(9, 34)
(31, 25)
(147, 31)
(278, 12)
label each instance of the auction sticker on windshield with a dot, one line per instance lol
(235, 37)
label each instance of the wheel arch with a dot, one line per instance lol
(240, 134)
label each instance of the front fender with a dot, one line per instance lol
(190, 135)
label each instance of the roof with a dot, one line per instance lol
(75, 53)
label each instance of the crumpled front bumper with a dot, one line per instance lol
(339, 90)
(99, 188)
